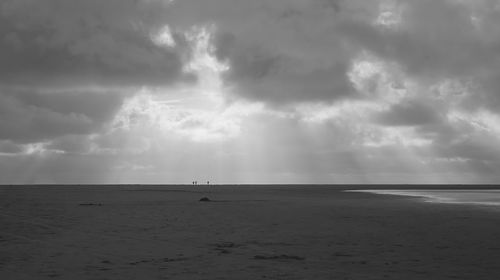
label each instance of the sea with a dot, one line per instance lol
(486, 197)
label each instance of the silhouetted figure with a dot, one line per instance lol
(208, 182)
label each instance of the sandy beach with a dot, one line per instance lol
(244, 232)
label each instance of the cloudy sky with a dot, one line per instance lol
(239, 91)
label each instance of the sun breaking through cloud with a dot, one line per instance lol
(313, 91)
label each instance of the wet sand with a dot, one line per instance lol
(152, 232)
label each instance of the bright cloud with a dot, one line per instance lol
(319, 91)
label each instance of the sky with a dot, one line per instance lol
(239, 91)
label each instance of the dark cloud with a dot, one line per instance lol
(72, 144)
(8, 147)
(278, 79)
(438, 41)
(435, 37)
(96, 105)
(85, 42)
(410, 113)
(280, 51)
(471, 149)
(28, 116)
(486, 92)
(66, 66)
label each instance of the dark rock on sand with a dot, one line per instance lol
(226, 245)
(278, 257)
(205, 199)
(90, 204)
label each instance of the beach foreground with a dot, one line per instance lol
(244, 232)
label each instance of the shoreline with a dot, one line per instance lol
(478, 197)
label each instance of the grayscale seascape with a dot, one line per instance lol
(249, 139)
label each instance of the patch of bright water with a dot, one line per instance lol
(479, 197)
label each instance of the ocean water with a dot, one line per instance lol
(478, 197)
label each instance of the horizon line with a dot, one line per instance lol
(253, 184)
